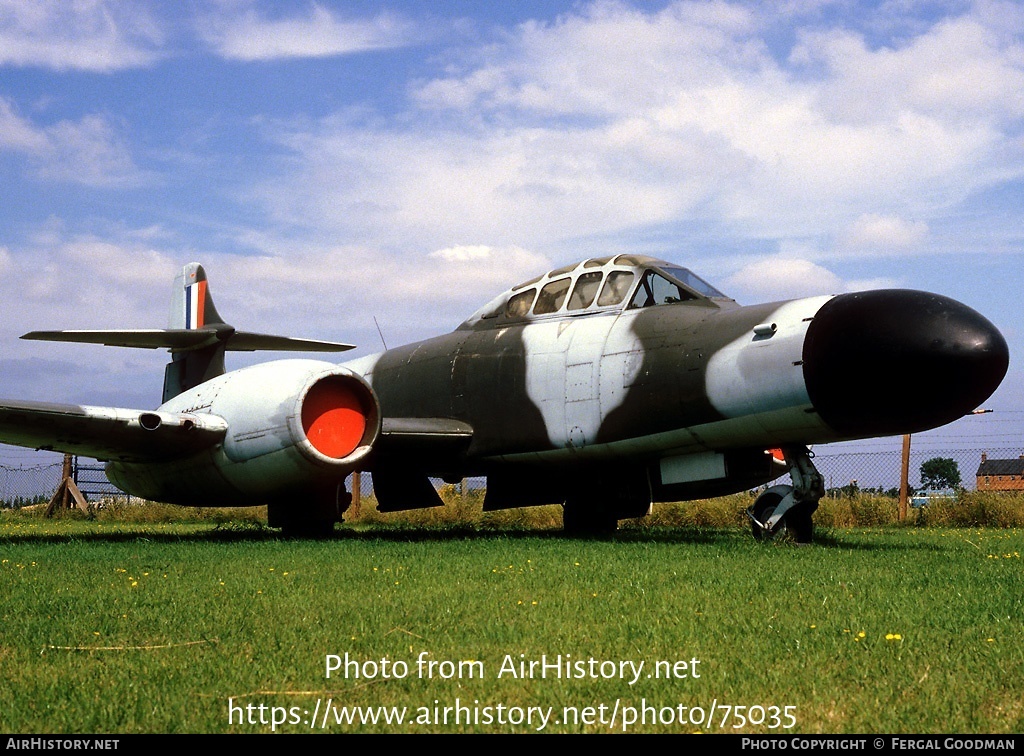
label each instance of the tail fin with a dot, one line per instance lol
(192, 309)
(197, 336)
(191, 302)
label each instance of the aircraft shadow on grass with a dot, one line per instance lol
(245, 533)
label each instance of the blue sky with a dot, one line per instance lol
(332, 162)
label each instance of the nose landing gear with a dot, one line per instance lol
(786, 510)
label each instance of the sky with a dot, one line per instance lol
(337, 166)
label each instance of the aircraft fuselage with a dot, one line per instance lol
(686, 386)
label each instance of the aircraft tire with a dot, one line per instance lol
(797, 526)
(313, 518)
(763, 509)
(587, 518)
(799, 523)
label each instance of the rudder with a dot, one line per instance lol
(191, 302)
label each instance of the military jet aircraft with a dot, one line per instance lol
(603, 386)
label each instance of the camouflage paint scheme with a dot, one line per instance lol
(676, 399)
(604, 385)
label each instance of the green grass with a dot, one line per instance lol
(119, 627)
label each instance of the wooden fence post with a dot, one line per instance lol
(357, 493)
(67, 495)
(904, 478)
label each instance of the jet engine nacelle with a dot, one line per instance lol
(294, 427)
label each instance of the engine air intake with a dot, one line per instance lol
(333, 417)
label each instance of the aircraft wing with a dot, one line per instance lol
(108, 433)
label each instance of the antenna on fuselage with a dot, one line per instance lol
(380, 333)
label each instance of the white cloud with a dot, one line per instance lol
(60, 280)
(125, 264)
(121, 278)
(85, 281)
(779, 278)
(336, 291)
(612, 118)
(607, 58)
(463, 253)
(91, 35)
(528, 186)
(472, 273)
(884, 233)
(248, 35)
(864, 284)
(63, 279)
(16, 133)
(957, 67)
(775, 279)
(87, 151)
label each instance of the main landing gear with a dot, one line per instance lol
(786, 510)
(596, 504)
(309, 514)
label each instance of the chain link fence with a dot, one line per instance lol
(844, 471)
(25, 485)
(879, 472)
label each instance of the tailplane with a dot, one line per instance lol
(197, 336)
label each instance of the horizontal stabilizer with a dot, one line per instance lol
(183, 339)
(108, 433)
(242, 341)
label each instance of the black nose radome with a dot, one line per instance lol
(895, 361)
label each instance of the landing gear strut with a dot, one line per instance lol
(787, 509)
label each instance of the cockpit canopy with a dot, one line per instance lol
(606, 284)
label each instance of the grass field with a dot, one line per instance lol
(208, 627)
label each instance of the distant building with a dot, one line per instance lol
(1001, 474)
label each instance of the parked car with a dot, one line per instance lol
(925, 496)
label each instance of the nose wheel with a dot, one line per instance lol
(786, 510)
(761, 513)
